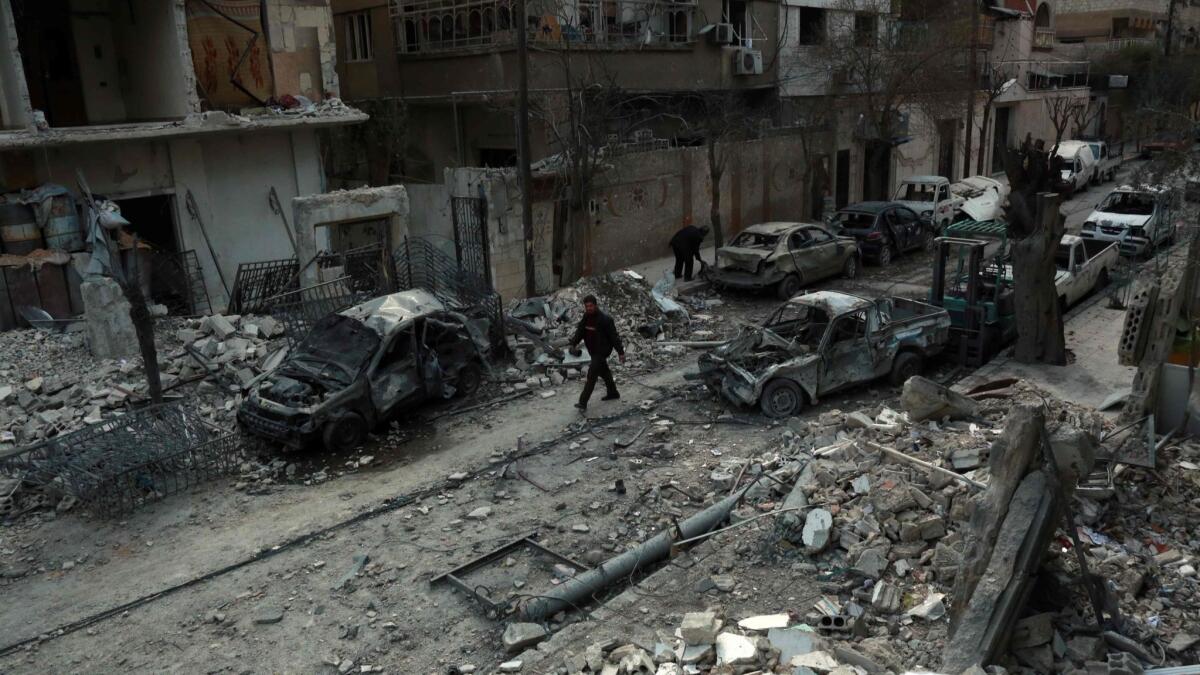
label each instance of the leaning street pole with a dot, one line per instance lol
(523, 147)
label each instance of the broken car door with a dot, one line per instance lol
(797, 243)
(822, 254)
(847, 354)
(396, 379)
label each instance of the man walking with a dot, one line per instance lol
(598, 332)
(686, 245)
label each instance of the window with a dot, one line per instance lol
(812, 26)
(850, 328)
(735, 13)
(818, 236)
(866, 30)
(797, 240)
(358, 37)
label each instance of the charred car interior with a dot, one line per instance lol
(821, 342)
(363, 367)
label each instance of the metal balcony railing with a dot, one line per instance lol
(431, 26)
(1043, 38)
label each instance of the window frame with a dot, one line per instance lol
(359, 43)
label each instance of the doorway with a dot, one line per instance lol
(1000, 139)
(877, 162)
(947, 138)
(842, 182)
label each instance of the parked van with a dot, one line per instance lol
(1079, 166)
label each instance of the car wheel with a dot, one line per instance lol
(885, 255)
(850, 268)
(781, 398)
(790, 286)
(470, 377)
(906, 365)
(345, 433)
(930, 242)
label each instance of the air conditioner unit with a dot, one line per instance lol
(747, 62)
(722, 34)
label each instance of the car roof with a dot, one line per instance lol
(388, 313)
(869, 207)
(925, 179)
(777, 227)
(833, 302)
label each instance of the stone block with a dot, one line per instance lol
(111, 334)
(699, 628)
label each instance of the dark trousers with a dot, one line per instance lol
(683, 264)
(597, 369)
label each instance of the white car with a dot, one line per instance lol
(1079, 166)
(1137, 219)
(930, 197)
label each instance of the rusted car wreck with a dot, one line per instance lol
(364, 366)
(784, 257)
(820, 342)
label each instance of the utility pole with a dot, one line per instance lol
(972, 86)
(523, 147)
(1170, 28)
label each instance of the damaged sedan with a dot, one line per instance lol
(784, 257)
(818, 343)
(361, 367)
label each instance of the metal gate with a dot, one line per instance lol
(470, 237)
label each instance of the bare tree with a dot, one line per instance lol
(1035, 228)
(1063, 112)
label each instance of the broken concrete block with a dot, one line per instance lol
(218, 326)
(1074, 453)
(480, 513)
(6, 392)
(699, 628)
(820, 662)
(35, 384)
(518, 636)
(696, 654)
(269, 327)
(187, 335)
(966, 459)
(886, 598)
(1033, 631)
(632, 659)
(924, 399)
(818, 526)
(764, 622)
(735, 650)
(513, 666)
(669, 669)
(1083, 648)
(931, 609)
(793, 641)
(111, 334)
(871, 563)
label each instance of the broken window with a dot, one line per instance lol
(734, 13)
(98, 66)
(358, 37)
(850, 328)
(866, 29)
(798, 323)
(812, 26)
(756, 240)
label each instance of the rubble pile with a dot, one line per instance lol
(878, 509)
(541, 328)
(50, 384)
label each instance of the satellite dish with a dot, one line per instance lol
(707, 29)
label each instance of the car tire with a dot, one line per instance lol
(344, 433)
(929, 242)
(781, 398)
(850, 267)
(790, 286)
(468, 380)
(906, 365)
(884, 257)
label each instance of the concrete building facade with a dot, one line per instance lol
(199, 119)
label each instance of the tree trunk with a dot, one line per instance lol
(1040, 337)
(143, 323)
(983, 133)
(715, 171)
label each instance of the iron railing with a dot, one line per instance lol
(128, 460)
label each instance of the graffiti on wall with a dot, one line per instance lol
(221, 34)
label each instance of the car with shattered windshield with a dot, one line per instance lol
(1138, 219)
(884, 230)
(784, 257)
(821, 342)
(361, 367)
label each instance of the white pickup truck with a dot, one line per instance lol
(1082, 266)
(1108, 160)
(930, 197)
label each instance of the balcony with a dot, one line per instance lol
(1043, 38)
(440, 26)
(1117, 44)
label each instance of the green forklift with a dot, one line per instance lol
(970, 281)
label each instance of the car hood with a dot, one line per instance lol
(984, 207)
(1118, 219)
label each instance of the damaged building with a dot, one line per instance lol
(199, 119)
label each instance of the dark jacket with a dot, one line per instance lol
(603, 340)
(687, 241)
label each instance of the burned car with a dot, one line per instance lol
(364, 366)
(785, 257)
(818, 343)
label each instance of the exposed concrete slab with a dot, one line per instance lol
(311, 211)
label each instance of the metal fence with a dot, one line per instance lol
(121, 463)
(422, 264)
(301, 309)
(259, 280)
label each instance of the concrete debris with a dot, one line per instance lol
(817, 528)
(700, 628)
(925, 399)
(518, 636)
